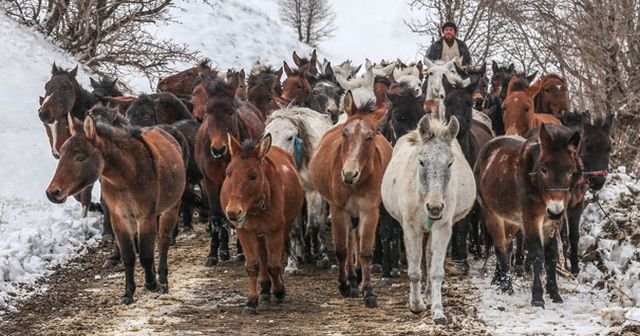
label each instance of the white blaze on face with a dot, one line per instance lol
(46, 99)
(555, 207)
(53, 127)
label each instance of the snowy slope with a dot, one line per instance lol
(34, 233)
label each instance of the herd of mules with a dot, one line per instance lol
(403, 162)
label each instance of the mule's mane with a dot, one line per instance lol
(248, 147)
(119, 136)
(205, 63)
(295, 115)
(517, 84)
(439, 128)
(382, 80)
(551, 76)
(265, 77)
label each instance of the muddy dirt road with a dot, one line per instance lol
(82, 299)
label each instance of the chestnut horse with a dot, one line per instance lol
(183, 82)
(529, 183)
(519, 115)
(212, 155)
(347, 170)
(553, 96)
(261, 196)
(142, 176)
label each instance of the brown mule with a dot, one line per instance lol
(184, 81)
(142, 176)
(296, 87)
(521, 184)
(261, 196)
(552, 96)
(347, 170)
(221, 116)
(518, 109)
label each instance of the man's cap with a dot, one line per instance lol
(450, 24)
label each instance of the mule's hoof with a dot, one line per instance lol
(518, 270)
(323, 263)
(265, 297)
(395, 273)
(279, 296)
(371, 301)
(440, 320)
(291, 271)
(385, 282)
(537, 303)
(418, 307)
(556, 298)
(376, 268)
(163, 289)
(110, 263)
(249, 310)
(354, 292)
(345, 290)
(240, 258)
(224, 255)
(151, 286)
(456, 267)
(108, 237)
(125, 300)
(211, 261)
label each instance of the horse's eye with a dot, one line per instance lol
(449, 165)
(289, 139)
(316, 92)
(421, 163)
(299, 86)
(369, 137)
(253, 177)
(80, 158)
(544, 171)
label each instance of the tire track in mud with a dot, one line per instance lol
(82, 299)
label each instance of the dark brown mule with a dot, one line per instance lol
(212, 154)
(347, 170)
(553, 95)
(241, 91)
(521, 184)
(519, 115)
(142, 177)
(262, 88)
(63, 94)
(157, 108)
(261, 196)
(183, 82)
(296, 87)
(472, 136)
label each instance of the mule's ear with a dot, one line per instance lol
(424, 128)
(453, 128)
(531, 77)
(355, 70)
(41, 100)
(296, 59)
(462, 72)
(54, 69)
(420, 68)
(349, 104)
(608, 122)
(471, 87)
(278, 74)
(427, 62)
(328, 70)
(287, 69)
(545, 138)
(314, 57)
(229, 75)
(574, 141)
(512, 68)
(235, 147)
(72, 124)
(89, 127)
(241, 74)
(74, 72)
(446, 84)
(264, 146)
(115, 81)
(94, 83)
(483, 69)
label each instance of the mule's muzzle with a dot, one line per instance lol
(45, 116)
(55, 195)
(435, 211)
(350, 176)
(218, 152)
(236, 217)
(555, 210)
(55, 155)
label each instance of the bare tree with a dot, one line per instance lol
(313, 20)
(105, 35)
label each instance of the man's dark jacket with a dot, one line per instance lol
(435, 51)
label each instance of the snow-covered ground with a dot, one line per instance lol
(36, 235)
